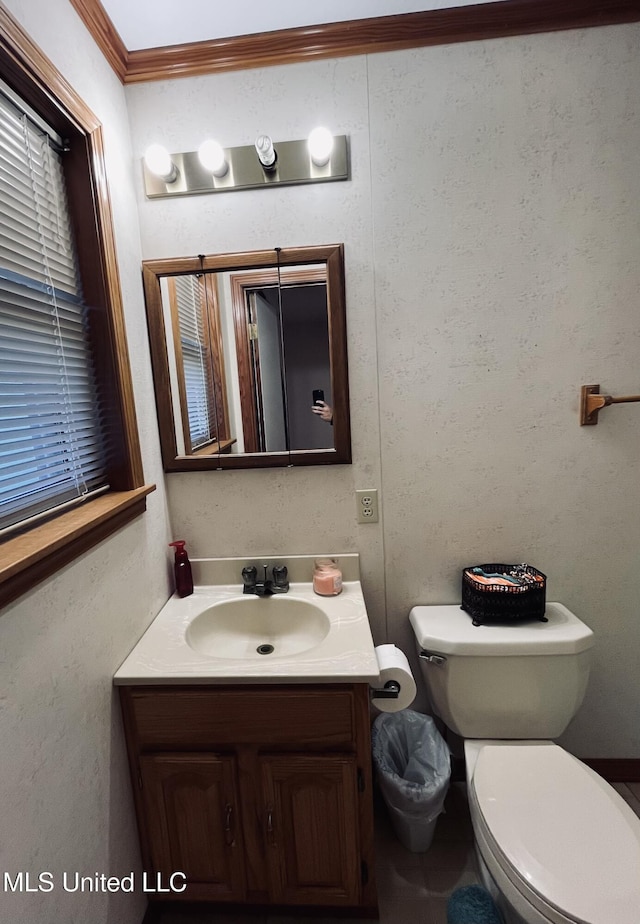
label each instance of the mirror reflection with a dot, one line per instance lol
(249, 358)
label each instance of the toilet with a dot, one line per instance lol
(556, 844)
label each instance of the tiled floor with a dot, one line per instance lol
(413, 888)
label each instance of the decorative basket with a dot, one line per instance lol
(503, 593)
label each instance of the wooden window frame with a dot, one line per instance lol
(37, 553)
(216, 378)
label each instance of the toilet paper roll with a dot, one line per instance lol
(394, 666)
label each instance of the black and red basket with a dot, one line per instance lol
(523, 596)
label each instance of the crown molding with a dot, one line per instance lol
(499, 19)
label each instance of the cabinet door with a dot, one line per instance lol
(311, 828)
(191, 808)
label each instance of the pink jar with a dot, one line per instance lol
(327, 577)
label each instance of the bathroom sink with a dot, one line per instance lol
(218, 634)
(257, 628)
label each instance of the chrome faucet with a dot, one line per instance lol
(277, 584)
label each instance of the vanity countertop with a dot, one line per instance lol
(164, 656)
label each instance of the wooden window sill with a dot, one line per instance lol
(35, 555)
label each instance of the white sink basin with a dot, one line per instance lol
(258, 627)
(214, 635)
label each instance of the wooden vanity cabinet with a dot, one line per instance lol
(258, 794)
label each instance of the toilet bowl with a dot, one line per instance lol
(556, 844)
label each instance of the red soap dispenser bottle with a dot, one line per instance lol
(182, 569)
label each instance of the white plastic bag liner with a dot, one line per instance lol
(413, 765)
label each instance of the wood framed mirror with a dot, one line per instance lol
(242, 345)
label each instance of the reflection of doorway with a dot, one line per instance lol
(263, 317)
(307, 364)
(302, 341)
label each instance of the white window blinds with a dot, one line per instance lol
(51, 448)
(195, 360)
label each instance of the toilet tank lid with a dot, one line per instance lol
(447, 629)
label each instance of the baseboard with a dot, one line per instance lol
(615, 769)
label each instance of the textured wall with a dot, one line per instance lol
(295, 511)
(65, 795)
(491, 234)
(508, 276)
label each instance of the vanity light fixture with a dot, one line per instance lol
(212, 157)
(159, 162)
(322, 158)
(320, 144)
(266, 152)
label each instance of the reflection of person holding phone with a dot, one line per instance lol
(320, 407)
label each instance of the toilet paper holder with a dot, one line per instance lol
(391, 690)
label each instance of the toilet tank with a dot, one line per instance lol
(515, 680)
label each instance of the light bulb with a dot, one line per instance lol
(158, 161)
(320, 144)
(211, 156)
(265, 151)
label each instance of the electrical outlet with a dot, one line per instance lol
(367, 505)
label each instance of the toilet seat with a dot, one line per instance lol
(584, 870)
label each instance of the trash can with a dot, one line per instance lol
(413, 768)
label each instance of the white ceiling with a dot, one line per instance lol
(153, 23)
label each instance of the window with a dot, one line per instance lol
(199, 364)
(51, 446)
(185, 302)
(68, 431)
